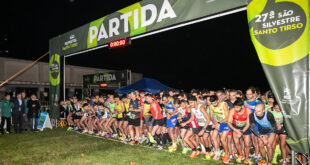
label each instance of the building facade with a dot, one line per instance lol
(36, 78)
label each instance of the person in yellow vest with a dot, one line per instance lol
(119, 110)
(220, 110)
(147, 118)
(126, 101)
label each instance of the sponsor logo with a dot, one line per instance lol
(71, 43)
(140, 19)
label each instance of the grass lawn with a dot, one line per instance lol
(59, 146)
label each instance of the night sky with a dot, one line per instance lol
(213, 54)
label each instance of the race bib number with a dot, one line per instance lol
(240, 123)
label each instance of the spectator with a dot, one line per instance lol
(5, 113)
(63, 109)
(33, 113)
(25, 119)
(18, 112)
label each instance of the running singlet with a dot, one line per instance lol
(251, 104)
(135, 104)
(112, 108)
(146, 111)
(194, 123)
(159, 116)
(169, 107)
(181, 112)
(278, 116)
(264, 122)
(126, 107)
(208, 111)
(118, 108)
(267, 106)
(199, 116)
(240, 120)
(219, 112)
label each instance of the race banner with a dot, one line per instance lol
(139, 18)
(106, 77)
(279, 30)
(54, 91)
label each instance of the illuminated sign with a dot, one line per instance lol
(119, 43)
(103, 85)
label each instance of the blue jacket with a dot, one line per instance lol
(18, 109)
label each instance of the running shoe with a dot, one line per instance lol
(225, 159)
(239, 159)
(209, 155)
(99, 133)
(103, 133)
(274, 160)
(69, 128)
(231, 157)
(85, 131)
(256, 159)
(107, 135)
(159, 147)
(223, 153)
(184, 150)
(217, 155)
(90, 132)
(262, 162)
(193, 154)
(247, 161)
(172, 148)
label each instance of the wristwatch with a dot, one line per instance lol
(205, 129)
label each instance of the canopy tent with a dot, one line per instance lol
(279, 31)
(147, 84)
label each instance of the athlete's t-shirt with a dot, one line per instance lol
(135, 104)
(240, 120)
(251, 104)
(159, 115)
(146, 111)
(219, 111)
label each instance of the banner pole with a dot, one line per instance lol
(64, 78)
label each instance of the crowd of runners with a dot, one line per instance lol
(222, 125)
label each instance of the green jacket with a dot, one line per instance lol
(5, 108)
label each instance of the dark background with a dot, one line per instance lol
(213, 54)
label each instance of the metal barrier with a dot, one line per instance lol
(297, 159)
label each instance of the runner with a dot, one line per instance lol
(158, 120)
(193, 125)
(134, 118)
(172, 114)
(203, 122)
(238, 121)
(265, 131)
(280, 136)
(220, 109)
(251, 102)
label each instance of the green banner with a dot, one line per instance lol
(54, 91)
(139, 18)
(279, 30)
